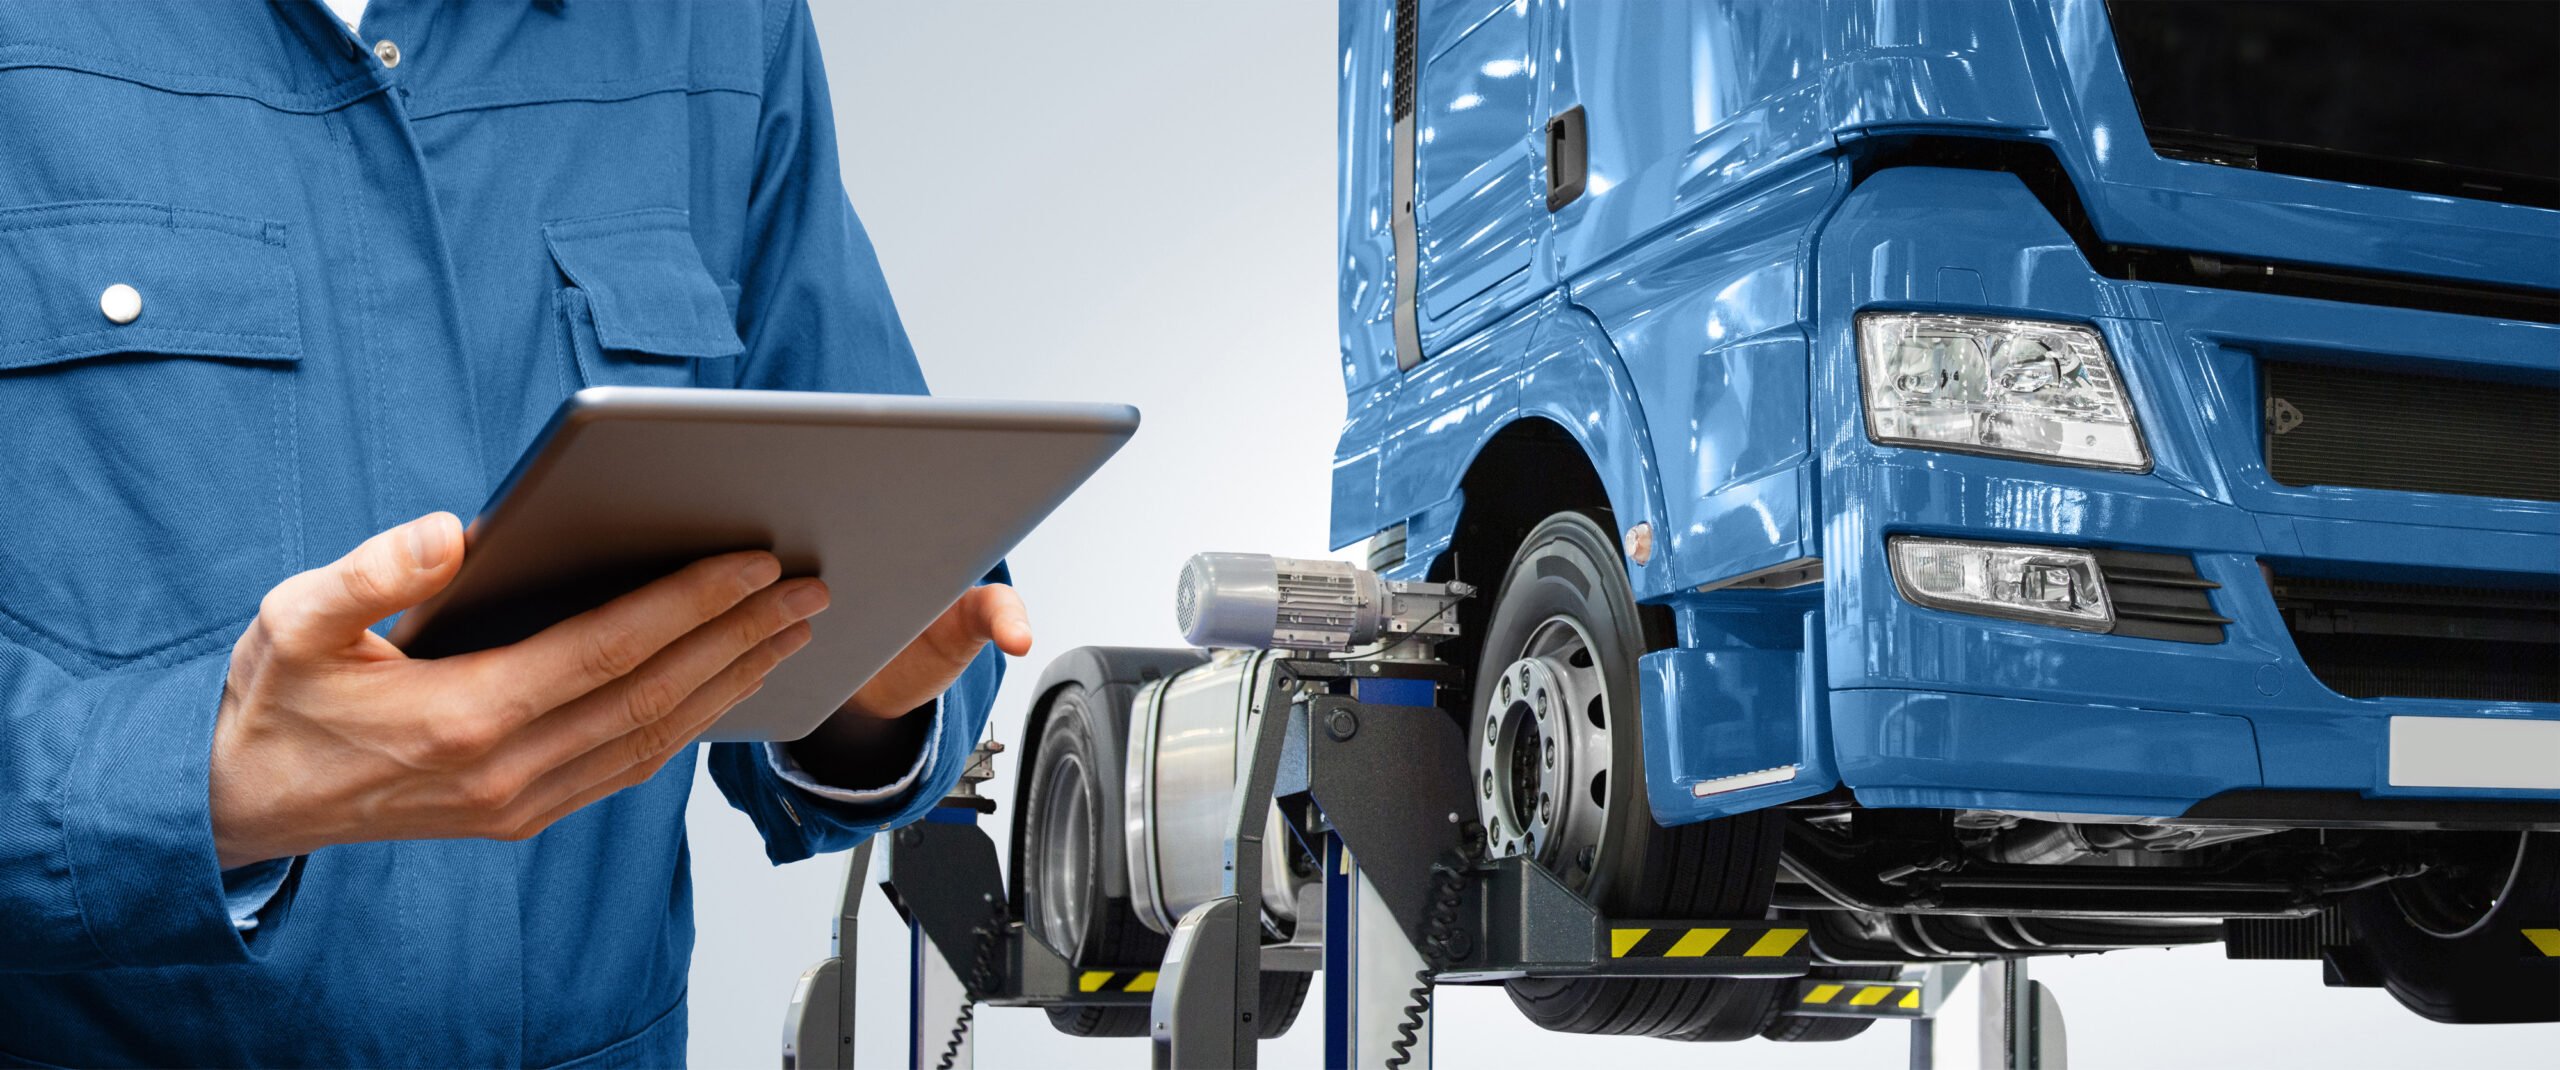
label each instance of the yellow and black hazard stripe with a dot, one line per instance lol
(1689, 940)
(1116, 981)
(1883, 998)
(2543, 943)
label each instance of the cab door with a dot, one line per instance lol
(1480, 202)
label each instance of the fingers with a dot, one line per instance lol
(994, 612)
(636, 756)
(645, 710)
(605, 644)
(930, 664)
(331, 606)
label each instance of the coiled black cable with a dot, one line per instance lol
(1448, 893)
(959, 1032)
(972, 987)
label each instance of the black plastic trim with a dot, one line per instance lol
(2160, 596)
(2331, 165)
(2494, 640)
(1405, 226)
(2288, 808)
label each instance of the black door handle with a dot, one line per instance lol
(1568, 158)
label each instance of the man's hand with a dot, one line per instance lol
(870, 741)
(934, 660)
(328, 734)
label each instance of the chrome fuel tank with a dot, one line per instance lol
(1182, 768)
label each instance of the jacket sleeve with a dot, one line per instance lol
(106, 825)
(815, 312)
(797, 824)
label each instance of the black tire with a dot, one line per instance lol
(2450, 944)
(1093, 929)
(1716, 869)
(1283, 995)
(1789, 1029)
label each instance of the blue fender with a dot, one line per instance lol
(1549, 362)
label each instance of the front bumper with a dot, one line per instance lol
(1941, 709)
(1929, 708)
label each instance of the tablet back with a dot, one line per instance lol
(899, 503)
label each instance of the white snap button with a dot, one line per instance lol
(121, 303)
(387, 52)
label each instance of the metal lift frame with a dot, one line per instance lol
(1386, 767)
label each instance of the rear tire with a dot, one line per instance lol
(1062, 892)
(1612, 852)
(2450, 945)
(1063, 896)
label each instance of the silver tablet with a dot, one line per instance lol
(899, 503)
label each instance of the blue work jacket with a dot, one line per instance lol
(366, 274)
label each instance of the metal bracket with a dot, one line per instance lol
(1916, 994)
(1196, 1011)
(818, 1029)
(1392, 781)
(2021, 1022)
(942, 878)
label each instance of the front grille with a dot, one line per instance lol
(1408, 29)
(2367, 639)
(2160, 596)
(2332, 426)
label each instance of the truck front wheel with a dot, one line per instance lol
(1559, 777)
(2452, 943)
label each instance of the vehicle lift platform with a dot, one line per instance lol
(1408, 895)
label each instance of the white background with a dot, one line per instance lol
(1133, 201)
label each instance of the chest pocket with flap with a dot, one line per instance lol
(639, 308)
(147, 441)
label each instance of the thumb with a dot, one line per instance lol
(996, 614)
(390, 572)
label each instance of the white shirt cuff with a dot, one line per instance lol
(248, 889)
(778, 755)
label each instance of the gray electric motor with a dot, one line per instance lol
(1260, 602)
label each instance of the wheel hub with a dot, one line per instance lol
(1543, 756)
(1066, 833)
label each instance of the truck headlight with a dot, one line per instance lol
(1986, 384)
(2042, 584)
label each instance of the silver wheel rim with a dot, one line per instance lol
(1543, 761)
(1066, 828)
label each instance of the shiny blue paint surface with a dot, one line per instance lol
(1478, 171)
(1738, 659)
(1687, 320)
(2185, 355)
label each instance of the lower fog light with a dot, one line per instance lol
(2041, 584)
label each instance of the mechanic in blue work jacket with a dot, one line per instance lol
(273, 283)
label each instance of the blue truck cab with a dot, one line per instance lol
(1993, 476)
